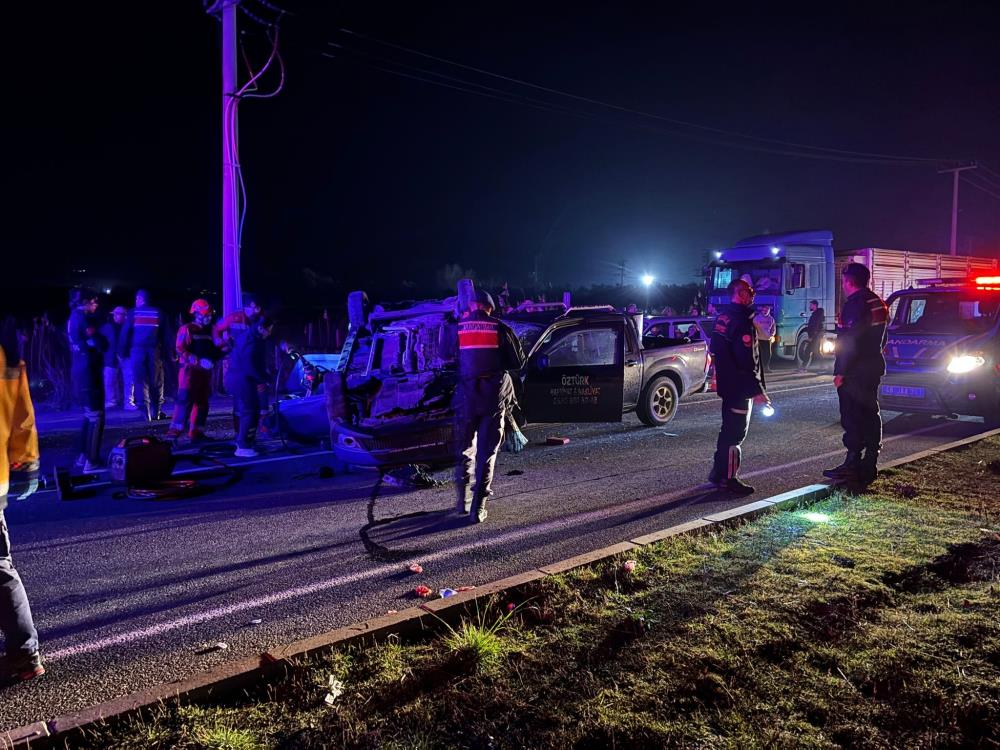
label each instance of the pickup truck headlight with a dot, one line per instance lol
(828, 346)
(965, 363)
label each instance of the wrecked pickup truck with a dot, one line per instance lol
(388, 401)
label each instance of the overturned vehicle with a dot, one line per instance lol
(387, 402)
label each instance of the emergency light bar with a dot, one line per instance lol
(991, 283)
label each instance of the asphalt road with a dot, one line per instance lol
(127, 592)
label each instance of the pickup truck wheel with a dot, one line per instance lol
(658, 402)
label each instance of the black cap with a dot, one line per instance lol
(483, 298)
(249, 298)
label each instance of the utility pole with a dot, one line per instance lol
(954, 202)
(225, 10)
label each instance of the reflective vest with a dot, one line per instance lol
(145, 333)
(479, 346)
(194, 343)
(18, 435)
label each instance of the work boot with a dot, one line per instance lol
(464, 504)
(868, 468)
(736, 486)
(161, 415)
(848, 469)
(23, 668)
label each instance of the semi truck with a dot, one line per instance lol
(788, 270)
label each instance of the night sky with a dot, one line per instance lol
(358, 177)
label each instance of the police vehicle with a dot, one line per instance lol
(943, 349)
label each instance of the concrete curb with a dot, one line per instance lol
(243, 672)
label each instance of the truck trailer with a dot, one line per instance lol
(789, 269)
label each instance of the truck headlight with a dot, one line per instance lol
(827, 346)
(965, 363)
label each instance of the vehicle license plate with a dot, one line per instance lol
(903, 390)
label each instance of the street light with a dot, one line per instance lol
(647, 281)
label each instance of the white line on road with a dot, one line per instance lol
(386, 569)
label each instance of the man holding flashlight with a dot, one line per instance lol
(739, 382)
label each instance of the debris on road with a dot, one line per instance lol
(255, 621)
(630, 566)
(220, 646)
(515, 473)
(411, 476)
(445, 593)
(392, 611)
(552, 440)
(465, 588)
(416, 568)
(335, 689)
(422, 591)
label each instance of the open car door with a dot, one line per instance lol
(576, 374)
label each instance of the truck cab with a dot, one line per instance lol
(943, 348)
(787, 271)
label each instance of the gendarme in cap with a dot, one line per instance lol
(483, 298)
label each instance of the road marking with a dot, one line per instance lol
(770, 393)
(332, 583)
(391, 568)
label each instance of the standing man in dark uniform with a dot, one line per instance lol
(739, 382)
(487, 351)
(87, 347)
(814, 333)
(857, 372)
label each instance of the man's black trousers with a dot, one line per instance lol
(859, 413)
(735, 424)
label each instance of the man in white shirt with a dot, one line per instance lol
(766, 328)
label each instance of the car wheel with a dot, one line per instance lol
(658, 403)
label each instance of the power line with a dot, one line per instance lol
(510, 98)
(980, 187)
(896, 159)
(992, 172)
(989, 181)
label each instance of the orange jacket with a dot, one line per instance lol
(18, 434)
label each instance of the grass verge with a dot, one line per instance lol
(867, 621)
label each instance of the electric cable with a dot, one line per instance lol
(510, 99)
(979, 187)
(673, 121)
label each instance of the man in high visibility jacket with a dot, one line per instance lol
(196, 354)
(18, 476)
(145, 342)
(487, 350)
